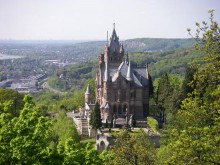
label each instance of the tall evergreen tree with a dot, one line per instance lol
(151, 87)
(95, 118)
(189, 83)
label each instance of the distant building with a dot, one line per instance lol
(120, 85)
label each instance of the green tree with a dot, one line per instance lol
(32, 135)
(187, 87)
(151, 87)
(132, 149)
(74, 153)
(79, 98)
(63, 128)
(16, 98)
(24, 139)
(6, 132)
(95, 118)
(167, 96)
(195, 137)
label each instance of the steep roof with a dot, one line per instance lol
(137, 74)
(88, 90)
(129, 75)
(114, 43)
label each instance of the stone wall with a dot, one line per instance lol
(104, 141)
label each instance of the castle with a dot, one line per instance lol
(121, 86)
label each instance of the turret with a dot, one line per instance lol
(147, 72)
(88, 95)
(107, 74)
(129, 76)
(122, 49)
(106, 52)
(127, 58)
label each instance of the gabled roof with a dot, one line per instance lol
(137, 75)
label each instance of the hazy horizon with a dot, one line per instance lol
(89, 20)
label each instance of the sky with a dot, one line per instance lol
(91, 19)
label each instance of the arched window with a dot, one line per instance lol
(119, 110)
(102, 146)
(124, 108)
(114, 109)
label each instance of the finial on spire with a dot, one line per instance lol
(107, 36)
(114, 25)
(127, 58)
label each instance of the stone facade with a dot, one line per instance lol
(121, 86)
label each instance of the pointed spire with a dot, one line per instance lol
(107, 75)
(107, 38)
(122, 49)
(129, 76)
(127, 58)
(88, 90)
(114, 42)
(147, 71)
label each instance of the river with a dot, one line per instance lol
(6, 56)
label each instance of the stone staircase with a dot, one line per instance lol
(84, 127)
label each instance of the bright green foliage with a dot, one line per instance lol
(95, 118)
(32, 135)
(74, 74)
(92, 86)
(92, 156)
(107, 157)
(24, 140)
(132, 149)
(73, 153)
(6, 133)
(195, 137)
(27, 139)
(63, 128)
(16, 100)
(79, 98)
(47, 101)
(153, 124)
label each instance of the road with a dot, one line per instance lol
(46, 86)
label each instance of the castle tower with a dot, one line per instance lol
(88, 95)
(106, 81)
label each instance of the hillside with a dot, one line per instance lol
(84, 51)
(156, 44)
(94, 48)
(168, 61)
